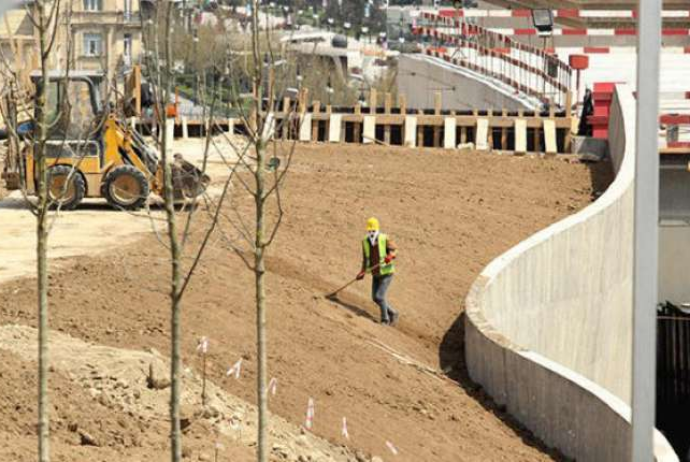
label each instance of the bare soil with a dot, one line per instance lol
(449, 212)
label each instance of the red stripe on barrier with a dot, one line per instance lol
(449, 13)
(568, 13)
(675, 119)
(679, 144)
(597, 50)
(521, 13)
(674, 32)
(574, 31)
(625, 32)
(525, 31)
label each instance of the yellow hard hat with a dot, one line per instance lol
(372, 224)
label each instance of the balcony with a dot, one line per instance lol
(98, 18)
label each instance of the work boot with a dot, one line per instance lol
(394, 318)
(385, 322)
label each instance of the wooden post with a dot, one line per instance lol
(286, 118)
(402, 102)
(373, 101)
(304, 97)
(420, 132)
(388, 105)
(537, 137)
(357, 134)
(438, 102)
(504, 132)
(328, 122)
(490, 116)
(316, 108)
(569, 132)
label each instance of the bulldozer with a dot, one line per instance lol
(92, 153)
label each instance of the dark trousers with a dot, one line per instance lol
(379, 288)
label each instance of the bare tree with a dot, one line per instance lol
(264, 171)
(45, 17)
(185, 258)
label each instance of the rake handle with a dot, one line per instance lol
(332, 294)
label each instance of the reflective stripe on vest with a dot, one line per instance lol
(384, 269)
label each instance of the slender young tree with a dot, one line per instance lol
(264, 173)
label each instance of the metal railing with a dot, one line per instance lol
(525, 68)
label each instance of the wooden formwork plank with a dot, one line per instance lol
(335, 128)
(305, 127)
(410, 139)
(269, 127)
(551, 145)
(520, 136)
(369, 129)
(482, 134)
(449, 133)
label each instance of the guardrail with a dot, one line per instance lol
(527, 69)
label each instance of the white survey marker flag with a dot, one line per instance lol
(309, 423)
(203, 345)
(235, 369)
(392, 448)
(273, 386)
(345, 433)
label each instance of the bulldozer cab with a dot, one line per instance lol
(74, 113)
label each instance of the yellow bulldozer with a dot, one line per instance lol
(91, 153)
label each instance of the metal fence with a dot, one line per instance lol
(525, 68)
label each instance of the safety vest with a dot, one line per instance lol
(384, 269)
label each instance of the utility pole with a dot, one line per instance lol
(646, 237)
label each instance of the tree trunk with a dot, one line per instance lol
(175, 252)
(260, 272)
(42, 246)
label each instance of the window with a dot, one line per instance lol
(128, 45)
(127, 51)
(93, 44)
(93, 5)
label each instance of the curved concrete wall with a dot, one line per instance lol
(549, 323)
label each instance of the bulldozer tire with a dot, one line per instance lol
(62, 195)
(125, 187)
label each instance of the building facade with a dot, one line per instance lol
(103, 35)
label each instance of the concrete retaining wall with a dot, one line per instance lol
(549, 323)
(420, 77)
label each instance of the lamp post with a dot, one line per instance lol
(646, 236)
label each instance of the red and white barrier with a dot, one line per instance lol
(560, 13)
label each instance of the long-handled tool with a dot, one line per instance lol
(334, 295)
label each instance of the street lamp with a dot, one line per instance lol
(543, 21)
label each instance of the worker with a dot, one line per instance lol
(378, 253)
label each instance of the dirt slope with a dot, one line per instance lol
(450, 214)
